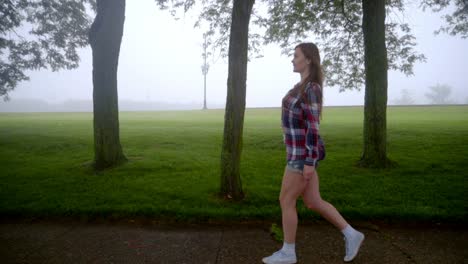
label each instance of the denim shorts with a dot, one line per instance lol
(295, 166)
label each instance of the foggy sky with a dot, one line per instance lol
(161, 60)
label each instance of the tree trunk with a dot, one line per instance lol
(375, 105)
(105, 37)
(231, 186)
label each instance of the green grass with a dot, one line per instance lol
(174, 159)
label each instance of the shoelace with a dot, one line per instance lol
(280, 253)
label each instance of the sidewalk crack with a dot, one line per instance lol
(401, 249)
(219, 246)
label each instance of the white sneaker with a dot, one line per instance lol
(352, 246)
(280, 257)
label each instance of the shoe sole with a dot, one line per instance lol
(279, 262)
(357, 251)
(283, 262)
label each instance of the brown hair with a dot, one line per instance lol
(311, 52)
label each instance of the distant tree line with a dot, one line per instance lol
(438, 94)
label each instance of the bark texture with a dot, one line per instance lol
(376, 68)
(231, 185)
(105, 37)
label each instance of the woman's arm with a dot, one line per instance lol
(312, 121)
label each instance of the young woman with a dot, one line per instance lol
(301, 114)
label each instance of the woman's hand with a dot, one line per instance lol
(308, 172)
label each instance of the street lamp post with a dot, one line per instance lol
(205, 67)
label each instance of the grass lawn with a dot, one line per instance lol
(174, 159)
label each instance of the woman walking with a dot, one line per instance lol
(301, 112)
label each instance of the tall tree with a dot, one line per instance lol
(56, 30)
(352, 34)
(105, 37)
(231, 186)
(375, 102)
(345, 42)
(228, 24)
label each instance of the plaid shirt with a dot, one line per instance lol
(300, 122)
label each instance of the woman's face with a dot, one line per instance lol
(300, 62)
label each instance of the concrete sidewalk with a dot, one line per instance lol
(131, 242)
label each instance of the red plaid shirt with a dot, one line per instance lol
(300, 122)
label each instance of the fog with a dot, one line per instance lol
(160, 68)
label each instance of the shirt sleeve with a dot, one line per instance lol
(312, 122)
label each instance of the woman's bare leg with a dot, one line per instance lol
(291, 188)
(313, 201)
